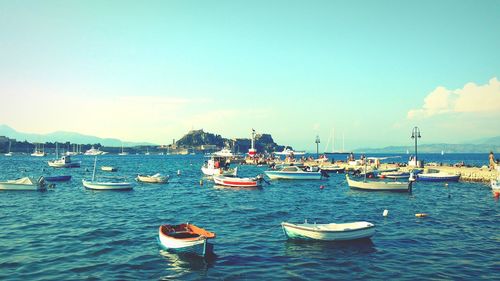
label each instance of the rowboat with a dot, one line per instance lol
(329, 232)
(184, 238)
(293, 173)
(107, 185)
(57, 178)
(379, 185)
(239, 182)
(64, 162)
(156, 178)
(394, 175)
(435, 177)
(109, 169)
(25, 183)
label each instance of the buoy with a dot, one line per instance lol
(446, 184)
(420, 215)
(178, 172)
(497, 194)
(385, 213)
(201, 182)
(321, 187)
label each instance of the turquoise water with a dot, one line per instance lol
(70, 233)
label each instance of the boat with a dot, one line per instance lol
(289, 152)
(123, 152)
(185, 238)
(332, 168)
(38, 152)
(219, 164)
(293, 173)
(379, 185)
(394, 175)
(25, 183)
(239, 182)
(10, 152)
(109, 169)
(102, 185)
(436, 177)
(156, 178)
(57, 178)
(329, 232)
(64, 162)
(333, 151)
(93, 152)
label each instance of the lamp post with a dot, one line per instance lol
(415, 134)
(317, 146)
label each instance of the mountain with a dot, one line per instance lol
(62, 136)
(437, 148)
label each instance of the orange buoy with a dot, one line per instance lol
(321, 187)
(497, 194)
(420, 215)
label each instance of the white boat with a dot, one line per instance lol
(108, 185)
(185, 238)
(238, 182)
(288, 152)
(293, 173)
(25, 183)
(379, 185)
(38, 152)
(219, 164)
(109, 169)
(93, 152)
(329, 232)
(123, 152)
(10, 152)
(64, 162)
(156, 178)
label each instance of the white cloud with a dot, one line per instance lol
(470, 99)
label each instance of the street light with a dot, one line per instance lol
(317, 146)
(415, 134)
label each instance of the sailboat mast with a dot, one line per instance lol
(93, 173)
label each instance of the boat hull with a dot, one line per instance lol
(185, 238)
(215, 172)
(297, 232)
(274, 175)
(58, 178)
(437, 177)
(237, 182)
(151, 179)
(379, 186)
(17, 185)
(107, 185)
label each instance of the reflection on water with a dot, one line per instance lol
(328, 249)
(179, 265)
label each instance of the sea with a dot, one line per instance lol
(70, 233)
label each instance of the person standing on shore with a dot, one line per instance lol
(492, 161)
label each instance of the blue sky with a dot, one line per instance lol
(152, 70)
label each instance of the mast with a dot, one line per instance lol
(93, 173)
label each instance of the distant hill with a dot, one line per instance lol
(196, 138)
(437, 148)
(62, 136)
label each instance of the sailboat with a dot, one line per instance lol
(147, 151)
(332, 138)
(38, 152)
(123, 152)
(109, 185)
(9, 153)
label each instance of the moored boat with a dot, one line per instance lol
(93, 152)
(184, 238)
(101, 185)
(25, 183)
(329, 232)
(219, 164)
(64, 162)
(57, 178)
(156, 178)
(293, 173)
(394, 175)
(109, 169)
(436, 177)
(239, 182)
(379, 185)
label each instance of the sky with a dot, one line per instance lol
(153, 70)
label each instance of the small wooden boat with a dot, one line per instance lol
(379, 185)
(156, 178)
(239, 182)
(394, 175)
(293, 173)
(109, 169)
(329, 232)
(99, 185)
(436, 177)
(57, 178)
(184, 238)
(25, 183)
